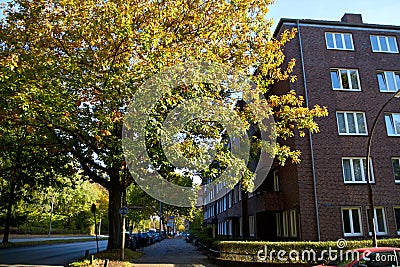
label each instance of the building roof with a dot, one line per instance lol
(334, 23)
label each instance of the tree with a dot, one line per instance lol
(81, 62)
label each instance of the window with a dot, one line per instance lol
(355, 169)
(392, 124)
(388, 81)
(278, 224)
(345, 79)
(241, 226)
(380, 221)
(235, 195)
(251, 226)
(397, 217)
(351, 123)
(351, 218)
(230, 199)
(276, 181)
(293, 223)
(340, 41)
(386, 44)
(285, 223)
(396, 169)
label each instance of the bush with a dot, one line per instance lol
(247, 251)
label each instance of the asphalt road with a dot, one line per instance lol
(55, 254)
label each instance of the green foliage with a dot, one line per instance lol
(113, 256)
(69, 68)
(248, 250)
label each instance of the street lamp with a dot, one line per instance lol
(370, 195)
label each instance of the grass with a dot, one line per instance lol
(112, 256)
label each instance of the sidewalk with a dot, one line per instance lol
(172, 253)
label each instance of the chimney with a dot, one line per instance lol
(352, 18)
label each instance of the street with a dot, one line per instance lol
(55, 254)
(172, 253)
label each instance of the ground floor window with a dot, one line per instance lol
(351, 218)
(285, 223)
(380, 221)
(278, 223)
(293, 223)
(397, 216)
(251, 226)
(241, 226)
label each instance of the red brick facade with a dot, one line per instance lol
(296, 194)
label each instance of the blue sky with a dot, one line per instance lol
(373, 11)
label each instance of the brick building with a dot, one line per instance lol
(353, 68)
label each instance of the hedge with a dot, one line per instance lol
(248, 250)
(39, 231)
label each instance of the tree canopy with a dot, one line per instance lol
(74, 65)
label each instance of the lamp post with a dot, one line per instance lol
(370, 194)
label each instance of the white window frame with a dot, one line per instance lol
(389, 121)
(276, 181)
(346, 123)
(251, 226)
(348, 71)
(285, 223)
(363, 174)
(230, 199)
(278, 221)
(388, 75)
(241, 226)
(376, 221)
(397, 181)
(352, 232)
(396, 222)
(334, 35)
(387, 43)
(293, 223)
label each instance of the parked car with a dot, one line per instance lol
(188, 238)
(130, 241)
(144, 239)
(157, 237)
(367, 257)
(151, 237)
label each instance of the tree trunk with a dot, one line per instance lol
(245, 214)
(114, 204)
(11, 200)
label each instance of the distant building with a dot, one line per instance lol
(353, 68)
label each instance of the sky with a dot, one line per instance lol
(373, 11)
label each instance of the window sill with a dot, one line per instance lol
(386, 52)
(340, 49)
(379, 234)
(356, 183)
(353, 235)
(353, 134)
(346, 90)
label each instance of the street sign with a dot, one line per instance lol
(123, 210)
